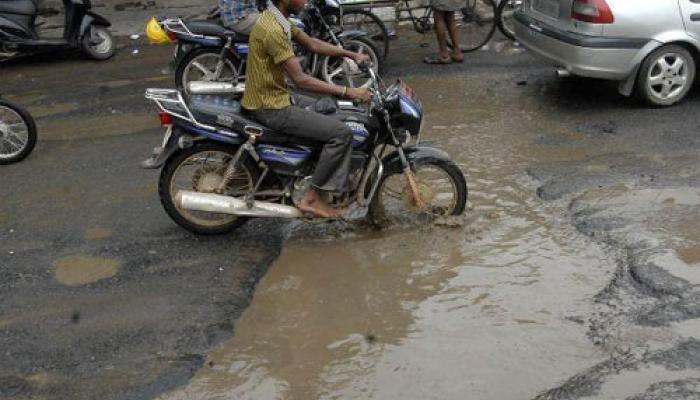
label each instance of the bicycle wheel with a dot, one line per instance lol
(476, 22)
(367, 21)
(506, 11)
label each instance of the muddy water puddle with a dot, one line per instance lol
(489, 309)
(81, 270)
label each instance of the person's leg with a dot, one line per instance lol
(441, 34)
(245, 26)
(333, 167)
(454, 35)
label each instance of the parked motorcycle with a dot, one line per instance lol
(17, 133)
(220, 167)
(206, 51)
(83, 29)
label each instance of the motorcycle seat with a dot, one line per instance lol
(227, 112)
(209, 28)
(22, 7)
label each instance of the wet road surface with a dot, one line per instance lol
(556, 284)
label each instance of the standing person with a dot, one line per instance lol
(267, 97)
(444, 23)
(239, 16)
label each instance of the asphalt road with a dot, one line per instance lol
(102, 296)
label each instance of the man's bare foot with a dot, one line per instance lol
(312, 203)
(457, 56)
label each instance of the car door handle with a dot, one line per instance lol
(695, 17)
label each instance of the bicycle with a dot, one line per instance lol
(476, 21)
(506, 11)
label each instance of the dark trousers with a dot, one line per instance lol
(331, 173)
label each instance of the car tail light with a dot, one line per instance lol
(593, 11)
(165, 119)
(172, 37)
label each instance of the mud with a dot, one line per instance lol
(80, 270)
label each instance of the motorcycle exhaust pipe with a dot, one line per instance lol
(210, 202)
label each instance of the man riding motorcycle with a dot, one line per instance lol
(267, 97)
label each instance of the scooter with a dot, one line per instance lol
(83, 29)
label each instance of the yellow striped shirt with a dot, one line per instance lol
(265, 86)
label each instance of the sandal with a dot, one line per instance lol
(457, 60)
(437, 60)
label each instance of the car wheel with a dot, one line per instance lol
(666, 76)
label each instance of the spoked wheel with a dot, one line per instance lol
(205, 64)
(443, 190)
(17, 133)
(367, 21)
(476, 22)
(345, 72)
(506, 13)
(201, 169)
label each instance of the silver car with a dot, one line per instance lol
(649, 46)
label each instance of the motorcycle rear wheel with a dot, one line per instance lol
(442, 186)
(103, 46)
(17, 133)
(207, 163)
(200, 65)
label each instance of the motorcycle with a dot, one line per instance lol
(219, 167)
(17, 133)
(206, 51)
(83, 29)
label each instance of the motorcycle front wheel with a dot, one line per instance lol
(17, 133)
(344, 72)
(442, 187)
(201, 64)
(201, 168)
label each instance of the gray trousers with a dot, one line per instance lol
(333, 167)
(243, 26)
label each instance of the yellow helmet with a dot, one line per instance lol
(155, 33)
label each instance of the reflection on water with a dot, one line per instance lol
(475, 311)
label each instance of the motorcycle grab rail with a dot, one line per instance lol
(172, 96)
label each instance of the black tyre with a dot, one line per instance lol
(506, 10)
(476, 23)
(200, 64)
(17, 133)
(666, 76)
(332, 70)
(201, 168)
(442, 186)
(98, 43)
(367, 21)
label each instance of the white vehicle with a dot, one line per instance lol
(650, 46)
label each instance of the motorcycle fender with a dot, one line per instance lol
(162, 154)
(414, 154)
(91, 19)
(351, 34)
